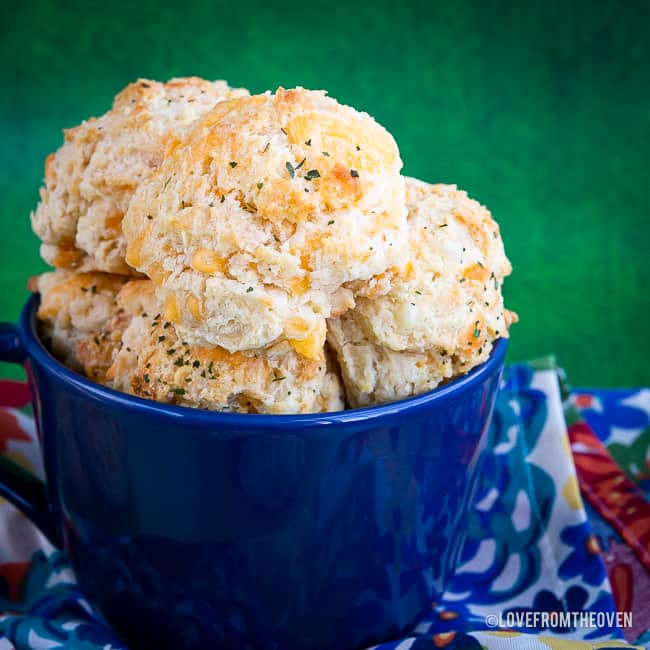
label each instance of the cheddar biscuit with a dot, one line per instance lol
(155, 362)
(443, 318)
(90, 180)
(111, 329)
(261, 220)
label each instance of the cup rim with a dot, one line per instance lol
(36, 351)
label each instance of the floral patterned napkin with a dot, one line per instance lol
(535, 548)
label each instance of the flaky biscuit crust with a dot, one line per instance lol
(260, 216)
(441, 318)
(90, 180)
(155, 362)
(111, 329)
(375, 374)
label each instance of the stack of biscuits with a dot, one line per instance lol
(259, 254)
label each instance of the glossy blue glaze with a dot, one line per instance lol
(191, 529)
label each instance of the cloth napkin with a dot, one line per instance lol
(561, 525)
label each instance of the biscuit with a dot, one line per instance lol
(263, 213)
(110, 329)
(441, 318)
(80, 318)
(156, 363)
(90, 180)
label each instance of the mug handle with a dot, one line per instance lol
(24, 490)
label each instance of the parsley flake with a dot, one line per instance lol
(249, 289)
(290, 169)
(308, 142)
(233, 164)
(354, 173)
(311, 174)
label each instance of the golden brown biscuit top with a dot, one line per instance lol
(265, 210)
(89, 181)
(451, 298)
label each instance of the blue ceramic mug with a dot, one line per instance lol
(192, 529)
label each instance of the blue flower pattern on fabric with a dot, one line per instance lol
(584, 560)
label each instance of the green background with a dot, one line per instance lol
(540, 110)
